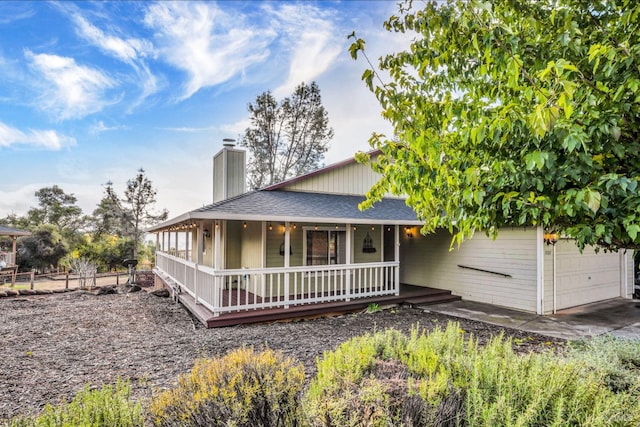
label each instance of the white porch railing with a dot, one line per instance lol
(225, 291)
(7, 258)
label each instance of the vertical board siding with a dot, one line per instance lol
(357, 241)
(235, 173)
(233, 243)
(251, 245)
(427, 261)
(353, 178)
(218, 177)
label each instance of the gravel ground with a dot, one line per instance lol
(50, 346)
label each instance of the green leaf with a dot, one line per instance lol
(592, 199)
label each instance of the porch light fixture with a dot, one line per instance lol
(270, 227)
(316, 227)
(206, 233)
(409, 232)
(295, 226)
(244, 225)
(373, 228)
(355, 228)
(550, 238)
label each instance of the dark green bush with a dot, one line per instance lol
(242, 388)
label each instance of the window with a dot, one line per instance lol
(325, 247)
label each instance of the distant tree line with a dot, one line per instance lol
(61, 231)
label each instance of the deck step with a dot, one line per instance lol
(432, 299)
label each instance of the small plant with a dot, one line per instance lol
(373, 308)
(240, 389)
(106, 407)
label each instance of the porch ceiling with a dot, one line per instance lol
(13, 232)
(295, 206)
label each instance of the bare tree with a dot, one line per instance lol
(287, 138)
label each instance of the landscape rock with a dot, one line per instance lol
(3, 294)
(163, 293)
(27, 292)
(106, 290)
(132, 288)
(11, 293)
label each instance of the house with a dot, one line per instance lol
(302, 243)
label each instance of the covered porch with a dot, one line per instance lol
(296, 251)
(8, 261)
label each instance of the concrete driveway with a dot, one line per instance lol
(618, 317)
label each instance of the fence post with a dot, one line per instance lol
(117, 277)
(32, 279)
(66, 279)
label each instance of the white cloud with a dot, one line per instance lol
(312, 39)
(129, 50)
(125, 49)
(70, 90)
(47, 139)
(99, 127)
(205, 42)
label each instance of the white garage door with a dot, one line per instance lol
(587, 277)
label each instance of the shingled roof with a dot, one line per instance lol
(297, 206)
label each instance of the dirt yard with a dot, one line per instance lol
(50, 346)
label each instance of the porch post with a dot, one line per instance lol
(287, 261)
(396, 279)
(347, 243)
(15, 260)
(176, 236)
(200, 242)
(187, 232)
(216, 266)
(263, 249)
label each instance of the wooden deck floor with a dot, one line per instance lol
(409, 295)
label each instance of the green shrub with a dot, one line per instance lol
(444, 378)
(106, 407)
(242, 388)
(618, 359)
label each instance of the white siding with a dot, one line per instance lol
(427, 261)
(587, 277)
(353, 178)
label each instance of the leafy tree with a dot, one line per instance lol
(43, 249)
(514, 113)
(57, 208)
(287, 138)
(140, 198)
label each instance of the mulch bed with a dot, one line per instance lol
(51, 345)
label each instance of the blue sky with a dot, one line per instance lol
(92, 91)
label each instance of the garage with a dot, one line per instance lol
(582, 278)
